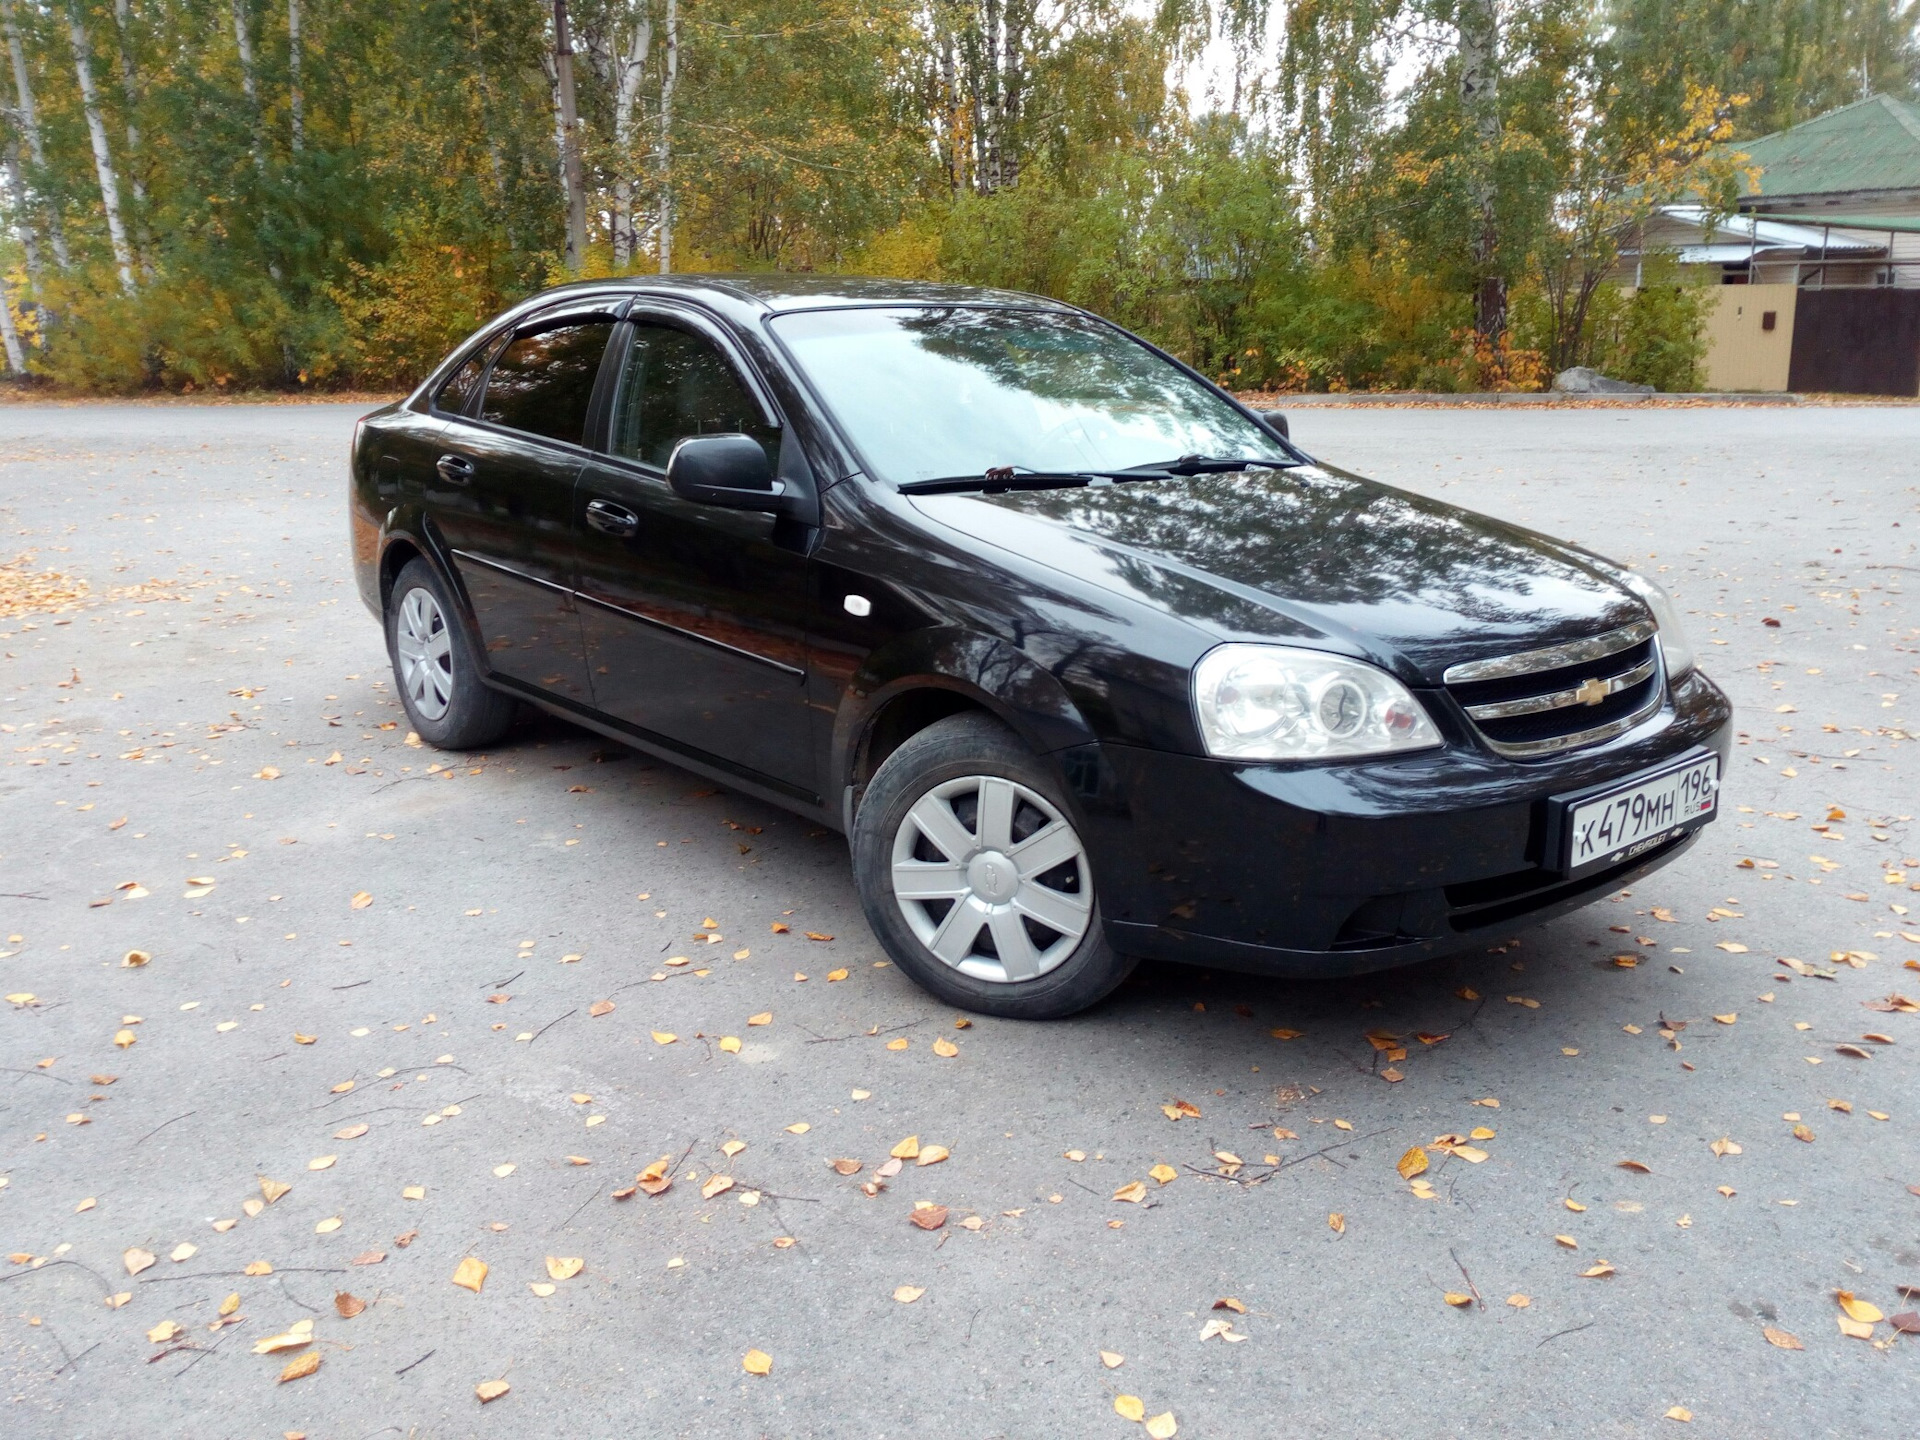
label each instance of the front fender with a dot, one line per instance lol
(983, 669)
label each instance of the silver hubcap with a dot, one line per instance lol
(992, 879)
(425, 655)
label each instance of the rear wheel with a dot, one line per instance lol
(975, 878)
(435, 668)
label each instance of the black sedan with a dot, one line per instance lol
(1088, 660)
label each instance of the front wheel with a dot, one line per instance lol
(972, 873)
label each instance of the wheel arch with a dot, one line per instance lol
(923, 678)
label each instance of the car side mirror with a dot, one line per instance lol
(730, 471)
(1276, 423)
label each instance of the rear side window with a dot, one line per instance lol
(677, 385)
(543, 381)
(454, 396)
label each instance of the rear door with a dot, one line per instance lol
(694, 615)
(501, 493)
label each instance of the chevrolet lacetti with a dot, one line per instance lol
(1088, 660)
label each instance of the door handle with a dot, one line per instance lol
(455, 469)
(610, 518)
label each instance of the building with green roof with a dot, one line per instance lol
(1825, 247)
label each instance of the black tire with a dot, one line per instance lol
(474, 714)
(1078, 971)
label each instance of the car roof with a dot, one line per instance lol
(777, 293)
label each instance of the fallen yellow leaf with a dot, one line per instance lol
(490, 1390)
(757, 1362)
(1164, 1173)
(1860, 1310)
(1162, 1426)
(1129, 1407)
(1413, 1163)
(945, 1048)
(301, 1366)
(1112, 1360)
(765, 1017)
(1457, 1300)
(471, 1274)
(907, 1294)
(1132, 1193)
(565, 1267)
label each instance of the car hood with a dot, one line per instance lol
(1310, 553)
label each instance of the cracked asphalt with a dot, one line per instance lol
(201, 760)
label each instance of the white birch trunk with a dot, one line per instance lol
(102, 153)
(1479, 26)
(10, 333)
(296, 98)
(569, 120)
(28, 119)
(129, 87)
(664, 153)
(243, 42)
(630, 68)
(23, 218)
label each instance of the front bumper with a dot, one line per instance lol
(1340, 869)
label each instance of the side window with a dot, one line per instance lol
(676, 385)
(453, 396)
(543, 380)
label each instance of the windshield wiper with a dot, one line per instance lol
(1009, 477)
(1208, 465)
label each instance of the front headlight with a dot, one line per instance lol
(1674, 645)
(1270, 702)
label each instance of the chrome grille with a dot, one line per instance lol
(1543, 701)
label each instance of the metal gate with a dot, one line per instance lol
(1856, 342)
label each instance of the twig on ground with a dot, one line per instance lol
(1574, 1331)
(583, 1205)
(862, 1035)
(161, 1126)
(553, 1022)
(1475, 1289)
(23, 1274)
(421, 1361)
(76, 1359)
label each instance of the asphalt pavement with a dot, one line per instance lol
(308, 1016)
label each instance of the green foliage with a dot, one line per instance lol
(1654, 334)
(1357, 214)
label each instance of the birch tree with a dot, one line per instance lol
(250, 82)
(567, 113)
(26, 117)
(102, 152)
(296, 96)
(619, 59)
(669, 79)
(10, 332)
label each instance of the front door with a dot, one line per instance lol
(502, 496)
(694, 616)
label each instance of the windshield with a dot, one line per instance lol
(928, 394)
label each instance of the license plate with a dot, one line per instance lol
(1614, 825)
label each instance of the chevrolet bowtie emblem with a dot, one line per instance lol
(1591, 692)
